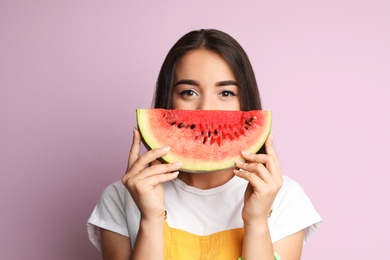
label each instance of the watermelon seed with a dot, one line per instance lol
(180, 125)
(209, 133)
(204, 140)
(192, 126)
(249, 122)
(173, 123)
(202, 133)
(215, 132)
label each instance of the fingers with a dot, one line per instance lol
(264, 166)
(138, 169)
(139, 166)
(142, 161)
(252, 178)
(257, 168)
(152, 180)
(156, 162)
(151, 176)
(135, 148)
(258, 162)
(159, 169)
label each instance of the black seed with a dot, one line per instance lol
(173, 123)
(202, 133)
(209, 133)
(245, 127)
(248, 122)
(180, 125)
(204, 140)
(215, 132)
(192, 126)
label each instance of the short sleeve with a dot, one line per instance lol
(292, 212)
(109, 213)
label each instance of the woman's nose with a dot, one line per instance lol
(206, 103)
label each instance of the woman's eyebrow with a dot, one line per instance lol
(226, 83)
(187, 82)
(196, 83)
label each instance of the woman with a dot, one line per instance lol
(158, 212)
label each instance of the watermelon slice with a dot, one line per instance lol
(204, 140)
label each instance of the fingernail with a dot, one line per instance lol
(177, 164)
(239, 162)
(245, 153)
(175, 173)
(166, 148)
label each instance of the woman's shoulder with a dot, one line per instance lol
(292, 196)
(115, 186)
(290, 186)
(115, 191)
(293, 211)
(115, 204)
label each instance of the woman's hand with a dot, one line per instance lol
(265, 179)
(145, 182)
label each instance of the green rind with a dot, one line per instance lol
(145, 130)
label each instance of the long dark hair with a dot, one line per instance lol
(220, 43)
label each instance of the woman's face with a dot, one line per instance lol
(204, 80)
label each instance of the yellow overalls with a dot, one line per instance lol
(182, 245)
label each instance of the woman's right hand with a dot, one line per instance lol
(144, 182)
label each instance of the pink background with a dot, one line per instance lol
(73, 72)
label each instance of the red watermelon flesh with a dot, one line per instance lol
(204, 140)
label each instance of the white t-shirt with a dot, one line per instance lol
(204, 212)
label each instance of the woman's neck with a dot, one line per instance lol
(208, 180)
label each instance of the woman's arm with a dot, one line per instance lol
(290, 248)
(114, 245)
(143, 180)
(150, 240)
(264, 178)
(257, 242)
(149, 243)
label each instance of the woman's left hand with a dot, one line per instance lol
(265, 179)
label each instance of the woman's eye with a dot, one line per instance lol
(187, 93)
(226, 93)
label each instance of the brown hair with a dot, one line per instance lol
(220, 43)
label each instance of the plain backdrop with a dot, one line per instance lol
(73, 72)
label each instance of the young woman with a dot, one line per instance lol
(157, 212)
